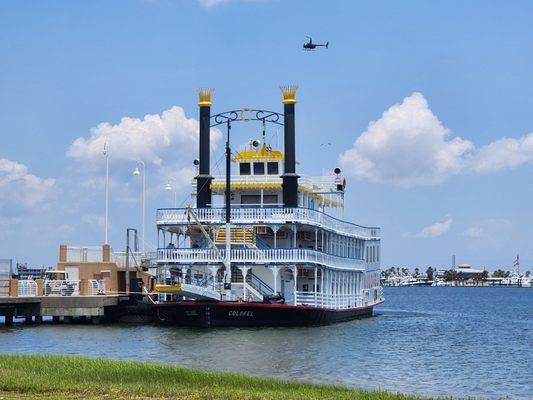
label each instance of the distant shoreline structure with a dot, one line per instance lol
(460, 275)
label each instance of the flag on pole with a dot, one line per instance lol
(516, 262)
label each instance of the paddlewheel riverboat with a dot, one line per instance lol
(275, 252)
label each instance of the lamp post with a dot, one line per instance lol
(137, 172)
(169, 187)
(106, 155)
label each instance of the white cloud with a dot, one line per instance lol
(94, 220)
(409, 146)
(212, 3)
(208, 4)
(19, 187)
(490, 229)
(505, 153)
(142, 139)
(433, 230)
(178, 178)
(473, 232)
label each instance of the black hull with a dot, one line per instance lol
(226, 313)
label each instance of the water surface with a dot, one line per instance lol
(444, 341)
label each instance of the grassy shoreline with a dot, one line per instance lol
(65, 377)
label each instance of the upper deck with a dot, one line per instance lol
(256, 196)
(267, 216)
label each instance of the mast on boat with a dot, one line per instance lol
(227, 259)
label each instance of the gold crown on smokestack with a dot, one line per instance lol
(289, 94)
(204, 96)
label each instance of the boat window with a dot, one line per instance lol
(270, 199)
(272, 168)
(244, 168)
(259, 168)
(251, 199)
(255, 200)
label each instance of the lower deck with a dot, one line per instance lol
(315, 286)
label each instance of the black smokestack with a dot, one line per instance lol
(290, 178)
(203, 180)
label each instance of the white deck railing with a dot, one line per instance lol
(257, 256)
(61, 288)
(27, 288)
(268, 215)
(4, 287)
(95, 287)
(338, 301)
(84, 254)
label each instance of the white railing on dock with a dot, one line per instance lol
(84, 254)
(259, 256)
(61, 288)
(27, 288)
(337, 301)
(4, 288)
(95, 287)
(268, 215)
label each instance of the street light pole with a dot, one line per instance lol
(106, 155)
(143, 196)
(169, 187)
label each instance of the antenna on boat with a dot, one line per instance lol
(264, 131)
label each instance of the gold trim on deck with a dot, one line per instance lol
(250, 185)
(168, 288)
(261, 154)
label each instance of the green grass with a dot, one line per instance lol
(62, 377)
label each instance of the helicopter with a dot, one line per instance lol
(312, 46)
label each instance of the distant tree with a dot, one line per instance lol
(417, 272)
(485, 274)
(450, 275)
(405, 271)
(429, 273)
(527, 274)
(500, 273)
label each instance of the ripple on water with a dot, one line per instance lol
(427, 341)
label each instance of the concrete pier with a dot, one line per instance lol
(57, 307)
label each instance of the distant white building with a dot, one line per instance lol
(467, 271)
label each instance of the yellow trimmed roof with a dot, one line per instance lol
(247, 185)
(261, 154)
(221, 186)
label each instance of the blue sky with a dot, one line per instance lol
(444, 167)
